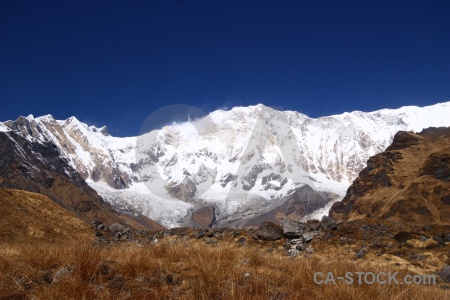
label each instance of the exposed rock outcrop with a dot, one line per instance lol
(204, 217)
(297, 205)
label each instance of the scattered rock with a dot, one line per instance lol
(416, 257)
(300, 247)
(445, 274)
(200, 234)
(438, 239)
(296, 241)
(116, 227)
(293, 252)
(95, 224)
(309, 236)
(447, 237)
(361, 253)
(246, 275)
(310, 250)
(328, 223)
(219, 236)
(98, 288)
(61, 273)
(313, 224)
(292, 229)
(23, 282)
(242, 241)
(211, 241)
(269, 231)
(388, 245)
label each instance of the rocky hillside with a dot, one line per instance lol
(27, 217)
(39, 168)
(409, 182)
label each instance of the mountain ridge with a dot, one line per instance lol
(241, 161)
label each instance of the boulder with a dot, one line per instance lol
(313, 224)
(269, 231)
(328, 223)
(242, 241)
(309, 236)
(292, 229)
(361, 253)
(116, 227)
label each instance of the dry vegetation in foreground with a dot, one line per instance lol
(182, 270)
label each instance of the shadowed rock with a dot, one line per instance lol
(292, 229)
(269, 231)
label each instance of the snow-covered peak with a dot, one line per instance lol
(47, 118)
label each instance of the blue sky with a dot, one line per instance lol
(115, 62)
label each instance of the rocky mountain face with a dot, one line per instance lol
(304, 201)
(39, 167)
(409, 182)
(241, 163)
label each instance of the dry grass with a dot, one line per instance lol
(27, 217)
(183, 270)
(429, 243)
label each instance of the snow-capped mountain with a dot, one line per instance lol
(243, 162)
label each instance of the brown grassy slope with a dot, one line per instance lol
(409, 182)
(27, 217)
(186, 270)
